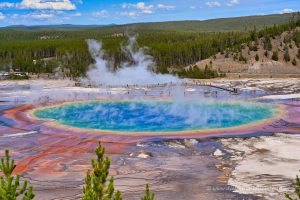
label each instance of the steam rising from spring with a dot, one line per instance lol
(132, 73)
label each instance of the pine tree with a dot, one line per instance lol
(96, 186)
(10, 187)
(294, 62)
(275, 56)
(266, 54)
(287, 56)
(242, 58)
(235, 57)
(267, 43)
(253, 34)
(297, 190)
(148, 196)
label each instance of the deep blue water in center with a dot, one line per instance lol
(156, 116)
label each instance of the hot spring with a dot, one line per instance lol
(156, 116)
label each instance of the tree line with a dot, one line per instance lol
(167, 49)
(43, 51)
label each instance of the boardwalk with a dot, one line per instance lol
(158, 85)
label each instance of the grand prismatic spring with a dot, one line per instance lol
(53, 128)
(188, 139)
(156, 116)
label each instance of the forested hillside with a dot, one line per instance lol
(43, 51)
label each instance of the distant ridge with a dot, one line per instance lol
(211, 25)
(215, 25)
(59, 27)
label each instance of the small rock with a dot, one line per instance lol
(144, 154)
(190, 142)
(218, 153)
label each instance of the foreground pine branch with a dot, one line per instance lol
(297, 190)
(98, 186)
(10, 187)
(148, 196)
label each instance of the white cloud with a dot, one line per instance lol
(145, 9)
(165, 7)
(125, 5)
(286, 10)
(192, 7)
(78, 14)
(53, 15)
(52, 4)
(233, 2)
(7, 5)
(131, 14)
(15, 16)
(37, 17)
(41, 15)
(100, 14)
(2, 16)
(213, 4)
(141, 6)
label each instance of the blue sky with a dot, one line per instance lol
(42, 12)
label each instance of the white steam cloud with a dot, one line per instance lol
(132, 73)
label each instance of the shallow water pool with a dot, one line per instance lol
(156, 116)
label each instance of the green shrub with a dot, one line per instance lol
(266, 54)
(227, 55)
(235, 57)
(294, 62)
(287, 56)
(275, 56)
(242, 58)
(18, 77)
(253, 47)
(267, 43)
(197, 73)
